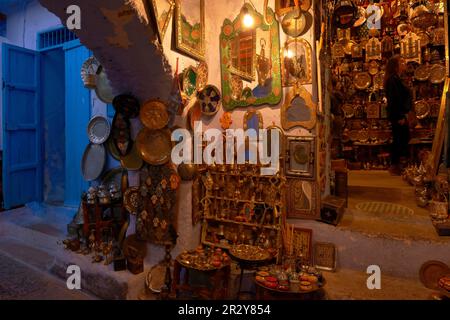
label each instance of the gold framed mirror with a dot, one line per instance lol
(297, 66)
(162, 11)
(250, 52)
(190, 27)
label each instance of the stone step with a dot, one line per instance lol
(46, 253)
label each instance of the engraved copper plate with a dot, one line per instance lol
(154, 115)
(362, 80)
(154, 146)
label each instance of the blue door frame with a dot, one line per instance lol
(22, 127)
(78, 113)
(23, 145)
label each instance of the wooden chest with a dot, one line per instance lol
(332, 210)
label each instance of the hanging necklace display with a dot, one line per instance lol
(410, 49)
(373, 49)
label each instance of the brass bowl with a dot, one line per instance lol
(187, 172)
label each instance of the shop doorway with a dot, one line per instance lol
(45, 109)
(53, 108)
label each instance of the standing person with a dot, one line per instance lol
(399, 103)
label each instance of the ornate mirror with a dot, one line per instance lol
(297, 62)
(162, 12)
(190, 27)
(298, 109)
(250, 53)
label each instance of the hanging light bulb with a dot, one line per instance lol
(248, 19)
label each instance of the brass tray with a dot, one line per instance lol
(154, 146)
(103, 87)
(349, 110)
(422, 72)
(362, 80)
(422, 109)
(209, 99)
(93, 161)
(437, 74)
(133, 160)
(294, 23)
(431, 272)
(132, 200)
(248, 253)
(98, 130)
(154, 115)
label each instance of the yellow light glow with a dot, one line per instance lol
(248, 20)
(288, 54)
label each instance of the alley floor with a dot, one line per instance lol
(19, 281)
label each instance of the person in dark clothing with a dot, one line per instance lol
(399, 103)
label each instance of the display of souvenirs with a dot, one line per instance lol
(417, 36)
(284, 279)
(204, 259)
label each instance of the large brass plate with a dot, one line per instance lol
(154, 146)
(154, 115)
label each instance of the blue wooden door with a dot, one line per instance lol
(22, 133)
(78, 112)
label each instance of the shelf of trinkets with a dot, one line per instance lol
(348, 62)
(241, 207)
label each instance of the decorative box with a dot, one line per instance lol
(135, 265)
(332, 210)
(120, 263)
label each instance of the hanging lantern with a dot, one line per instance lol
(89, 72)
